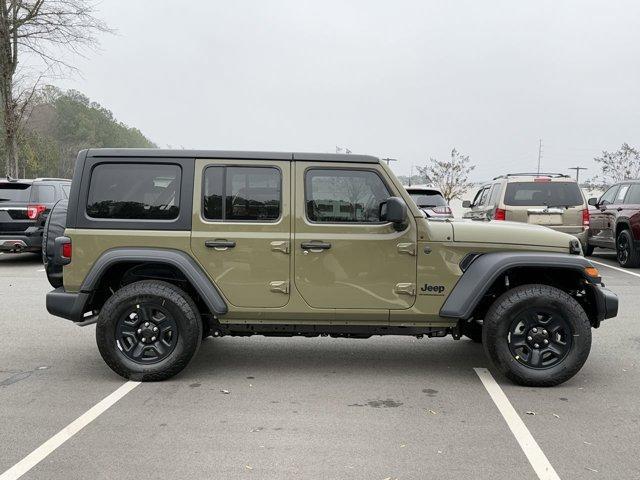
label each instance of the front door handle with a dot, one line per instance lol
(220, 244)
(315, 246)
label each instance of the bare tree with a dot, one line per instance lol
(623, 164)
(451, 176)
(43, 30)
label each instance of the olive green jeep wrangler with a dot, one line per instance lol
(163, 248)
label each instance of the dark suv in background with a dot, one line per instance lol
(23, 206)
(615, 222)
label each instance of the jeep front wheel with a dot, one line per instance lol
(148, 331)
(537, 335)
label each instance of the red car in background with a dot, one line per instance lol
(615, 222)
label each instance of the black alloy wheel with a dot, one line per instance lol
(147, 334)
(539, 337)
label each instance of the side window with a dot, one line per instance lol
(43, 194)
(478, 198)
(494, 200)
(483, 196)
(242, 193)
(621, 194)
(140, 191)
(633, 198)
(609, 196)
(344, 196)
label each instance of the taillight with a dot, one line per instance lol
(500, 214)
(34, 211)
(443, 210)
(585, 217)
(66, 250)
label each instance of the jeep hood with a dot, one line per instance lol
(473, 231)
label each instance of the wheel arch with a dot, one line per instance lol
(169, 265)
(622, 224)
(491, 274)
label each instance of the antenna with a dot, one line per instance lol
(539, 153)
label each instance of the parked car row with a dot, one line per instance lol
(556, 201)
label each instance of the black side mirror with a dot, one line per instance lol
(593, 201)
(466, 204)
(393, 210)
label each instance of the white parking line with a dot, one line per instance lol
(616, 268)
(534, 453)
(40, 270)
(40, 453)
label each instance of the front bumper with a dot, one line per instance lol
(606, 303)
(71, 306)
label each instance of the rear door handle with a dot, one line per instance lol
(315, 246)
(220, 244)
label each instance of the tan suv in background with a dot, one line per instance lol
(550, 199)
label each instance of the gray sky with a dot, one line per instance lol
(405, 79)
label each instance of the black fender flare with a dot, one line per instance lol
(486, 268)
(175, 258)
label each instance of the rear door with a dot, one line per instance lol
(242, 229)
(555, 204)
(14, 198)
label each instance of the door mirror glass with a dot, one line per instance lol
(466, 204)
(393, 210)
(593, 201)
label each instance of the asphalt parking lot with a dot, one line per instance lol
(308, 408)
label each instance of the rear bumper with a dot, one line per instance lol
(29, 240)
(68, 305)
(606, 303)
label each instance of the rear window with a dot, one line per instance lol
(134, 191)
(428, 199)
(15, 192)
(43, 194)
(550, 194)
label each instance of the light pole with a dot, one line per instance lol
(577, 169)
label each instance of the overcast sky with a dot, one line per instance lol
(403, 79)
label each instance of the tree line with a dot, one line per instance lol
(60, 124)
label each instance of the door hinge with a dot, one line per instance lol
(405, 289)
(280, 246)
(409, 248)
(280, 286)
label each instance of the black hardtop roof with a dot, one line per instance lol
(229, 154)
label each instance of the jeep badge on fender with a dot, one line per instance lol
(432, 289)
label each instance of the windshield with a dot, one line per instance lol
(549, 194)
(428, 199)
(15, 192)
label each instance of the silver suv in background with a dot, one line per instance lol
(430, 201)
(553, 200)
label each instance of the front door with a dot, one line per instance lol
(603, 219)
(242, 227)
(345, 256)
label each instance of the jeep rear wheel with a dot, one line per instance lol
(148, 331)
(628, 256)
(537, 335)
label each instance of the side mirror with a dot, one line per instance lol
(466, 204)
(593, 201)
(393, 210)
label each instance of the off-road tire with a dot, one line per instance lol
(177, 302)
(508, 306)
(630, 257)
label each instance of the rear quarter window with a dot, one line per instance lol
(134, 191)
(551, 194)
(43, 194)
